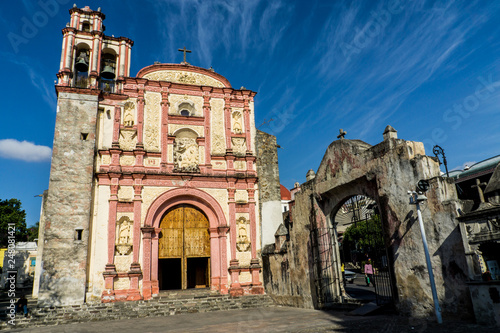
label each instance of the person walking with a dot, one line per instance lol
(22, 305)
(369, 273)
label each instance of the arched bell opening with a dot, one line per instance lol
(81, 66)
(86, 26)
(108, 70)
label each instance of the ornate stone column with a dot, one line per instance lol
(223, 258)
(140, 119)
(147, 233)
(215, 259)
(110, 269)
(155, 287)
(255, 266)
(165, 106)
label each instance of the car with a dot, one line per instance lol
(349, 276)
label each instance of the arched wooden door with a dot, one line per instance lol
(184, 249)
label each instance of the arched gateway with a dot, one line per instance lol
(184, 240)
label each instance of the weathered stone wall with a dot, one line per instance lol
(68, 206)
(269, 185)
(385, 172)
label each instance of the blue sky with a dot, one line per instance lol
(431, 69)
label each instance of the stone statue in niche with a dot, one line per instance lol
(124, 236)
(128, 118)
(186, 155)
(243, 243)
(237, 128)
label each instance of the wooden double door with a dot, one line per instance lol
(184, 249)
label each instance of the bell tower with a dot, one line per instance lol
(93, 66)
(90, 59)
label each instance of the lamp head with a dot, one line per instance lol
(423, 185)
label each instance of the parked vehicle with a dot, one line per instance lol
(349, 276)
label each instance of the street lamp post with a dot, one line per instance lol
(415, 199)
(437, 150)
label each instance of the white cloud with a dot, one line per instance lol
(24, 150)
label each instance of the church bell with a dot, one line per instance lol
(82, 64)
(108, 72)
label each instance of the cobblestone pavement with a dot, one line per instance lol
(274, 319)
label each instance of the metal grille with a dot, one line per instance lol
(325, 266)
(383, 277)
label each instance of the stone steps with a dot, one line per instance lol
(166, 304)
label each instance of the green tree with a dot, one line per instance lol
(33, 232)
(12, 214)
(365, 236)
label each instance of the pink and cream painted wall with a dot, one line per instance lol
(138, 178)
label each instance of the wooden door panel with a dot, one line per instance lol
(170, 244)
(185, 233)
(197, 242)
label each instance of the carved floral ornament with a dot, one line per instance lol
(184, 77)
(128, 139)
(239, 146)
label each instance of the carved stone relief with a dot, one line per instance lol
(219, 165)
(124, 234)
(149, 194)
(105, 159)
(127, 160)
(243, 243)
(152, 162)
(240, 165)
(184, 77)
(186, 155)
(125, 193)
(128, 139)
(241, 196)
(217, 121)
(239, 146)
(152, 110)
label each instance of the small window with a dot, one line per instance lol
(33, 262)
(84, 136)
(185, 113)
(78, 234)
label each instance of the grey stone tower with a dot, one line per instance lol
(90, 62)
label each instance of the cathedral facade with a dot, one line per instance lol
(153, 183)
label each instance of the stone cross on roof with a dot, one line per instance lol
(184, 50)
(479, 189)
(342, 134)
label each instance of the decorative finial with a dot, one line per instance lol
(342, 134)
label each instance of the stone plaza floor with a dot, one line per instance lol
(270, 319)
